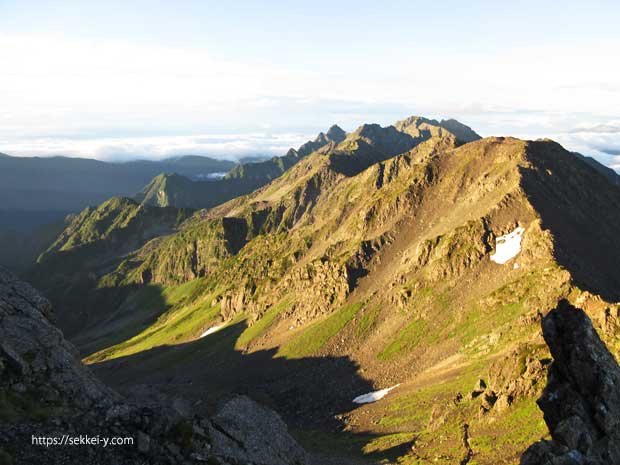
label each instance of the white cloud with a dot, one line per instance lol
(229, 146)
(600, 139)
(53, 88)
(612, 127)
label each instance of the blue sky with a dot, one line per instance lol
(136, 78)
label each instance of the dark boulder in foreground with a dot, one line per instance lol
(46, 394)
(581, 402)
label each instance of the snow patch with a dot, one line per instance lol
(508, 246)
(211, 330)
(373, 396)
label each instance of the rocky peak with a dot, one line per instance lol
(321, 138)
(385, 138)
(581, 402)
(369, 130)
(461, 131)
(420, 127)
(156, 192)
(414, 121)
(336, 134)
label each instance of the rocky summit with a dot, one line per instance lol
(382, 290)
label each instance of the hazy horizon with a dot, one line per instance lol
(117, 81)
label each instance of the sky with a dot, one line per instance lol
(147, 79)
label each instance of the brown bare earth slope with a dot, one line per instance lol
(376, 262)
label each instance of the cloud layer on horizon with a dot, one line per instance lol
(116, 100)
(601, 140)
(228, 146)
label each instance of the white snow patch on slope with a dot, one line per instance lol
(508, 246)
(211, 330)
(373, 396)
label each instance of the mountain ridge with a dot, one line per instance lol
(384, 258)
(170, 189)
(367, 141)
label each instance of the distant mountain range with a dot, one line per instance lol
(609, 173)
(36, 193)
(173, 190)
(69, 184)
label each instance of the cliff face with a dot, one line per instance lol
(581, 402)
(46, 391)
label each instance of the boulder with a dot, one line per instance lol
(36, 353)
(242, 431)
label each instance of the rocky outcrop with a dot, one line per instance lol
(35, 359)
(323, 284)
(518, 375)
(424, 128)
(581, 402)
(47, 394)
(261, 431)
(334, 135)
(364, 257)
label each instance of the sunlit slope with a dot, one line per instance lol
(427, 268)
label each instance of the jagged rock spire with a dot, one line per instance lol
(581, 402)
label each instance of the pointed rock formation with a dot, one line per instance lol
(581, 402)
(336, 134)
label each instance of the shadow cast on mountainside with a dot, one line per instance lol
(84, 316)
(306, 391)
(309, 392)
(135, 308)
(354, 445)
(581, 209)
(93, 316)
